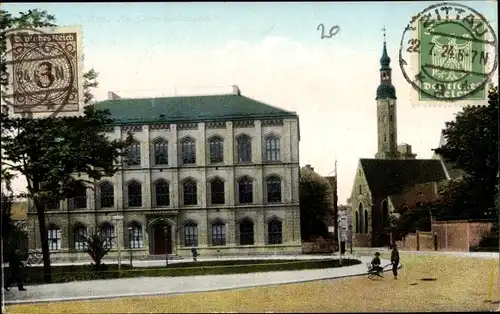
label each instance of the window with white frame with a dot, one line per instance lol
(135, 236)
(80, 238)
(54, 236)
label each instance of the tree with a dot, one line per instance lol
(56, 155)
(472, 146)
(316, 203)
(97, 247)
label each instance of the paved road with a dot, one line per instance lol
(142, 286)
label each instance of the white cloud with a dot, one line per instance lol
(332, 88)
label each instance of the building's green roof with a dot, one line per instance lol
(190, 109)
(386, 90)
(389, 176)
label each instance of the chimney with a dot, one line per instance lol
(113, 96)
(236, 90)
(309, 167)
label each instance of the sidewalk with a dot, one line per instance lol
(149, 286)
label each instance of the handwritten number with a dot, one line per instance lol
(474, 54)
(333, 31)
(414, 45)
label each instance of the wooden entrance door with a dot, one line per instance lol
(159, 240)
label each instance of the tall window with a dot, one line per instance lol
(134, 191)
(366, 221)
(108, 235)
(133, 156)
(135, 236)
(80, 238)
(53, 205)
(357, 221)
(54, 235)
(246, 232)
(217, 192)
(244, 148)
(79, 200)
(274, 230)
(190, 234)
(273, 189)
(245, 191)
(161, 152)
(107, 195)
(216, 149)
(188, 150)
(218, 233)
(190, 195)
(273, 149)
(162, 193)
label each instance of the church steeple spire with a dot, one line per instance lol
(385, 61)
(386, 109)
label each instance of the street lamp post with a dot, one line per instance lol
(165, 229)
(118, 219)
(130, 241)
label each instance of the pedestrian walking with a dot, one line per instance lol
(15, 267)
(395, 260)
(194, 252)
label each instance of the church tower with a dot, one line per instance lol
(386, 111)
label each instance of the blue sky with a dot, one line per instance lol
(274, 53)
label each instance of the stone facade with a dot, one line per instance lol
(141, 225)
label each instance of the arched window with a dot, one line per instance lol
(160, 148)
(190, 195)
(188, 151)
(133, 155)
(80, 238)
(107, 232)
(217, 192)
(244, 148)
(245, 191)
(357, 221)
(79, 199)
(135, 235)
(274, 232)
(190, 234)
(216, 145)
(53, 204)
(273, 149)
(218, 233)
(134, 191)
(246, 232)
(162, 193)
(54, 236)
(366, 221)
(107, 195)
(273, 185)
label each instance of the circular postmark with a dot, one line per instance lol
(448, 52)
(41, 70)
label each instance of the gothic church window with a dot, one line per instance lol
(216, 145)
(161, 152)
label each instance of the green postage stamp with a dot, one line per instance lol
(448, 54)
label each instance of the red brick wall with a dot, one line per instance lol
(458, 235)
(362, 240)
(319, 246)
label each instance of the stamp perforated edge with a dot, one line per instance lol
(77, 29)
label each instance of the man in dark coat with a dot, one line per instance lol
(376, 262)
(194, 252)
(15, 265)
(395, 260)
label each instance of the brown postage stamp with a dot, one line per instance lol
(45, 72)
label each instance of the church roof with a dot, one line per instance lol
(386, 90)
(391, 176)
(190, 109)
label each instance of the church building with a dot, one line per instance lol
(218, 172)
(388, 181)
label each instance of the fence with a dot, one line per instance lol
(457, 235)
